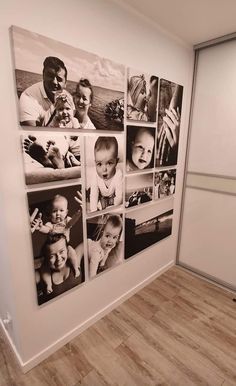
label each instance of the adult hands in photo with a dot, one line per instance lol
(78, 197)
(70, 160)
(172, 120)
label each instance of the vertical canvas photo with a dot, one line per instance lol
(65, 87)
(105, 242)
(57, 238)
(164, 183)
(140, 145)
(169, 118)
(104, 171)
(138, 189)
(143, 228)
(142, 92)
(51, 157)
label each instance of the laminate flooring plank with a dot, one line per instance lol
(188, 360)
(93, 379)
(193, 337)
(111, 332)
(156, 364)
(141, 372)
(103, 358)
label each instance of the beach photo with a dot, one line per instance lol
(105, 242)
(169, 119)
(104, 171)
(140, 146)
(138, 189)
(50, 157)
(64, 87)
(143, 228)
(142, 92)
(164, 183)
(55, 218)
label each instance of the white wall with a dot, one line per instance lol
(99, 26)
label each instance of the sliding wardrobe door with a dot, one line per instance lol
(208, 229)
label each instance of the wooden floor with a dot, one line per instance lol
(179, 330)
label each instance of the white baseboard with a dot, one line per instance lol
(8, 340)
(35, 360)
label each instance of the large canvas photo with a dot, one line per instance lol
(51, 157)
(169, 119)
(104, 171)
(145, 227)
(65, 87)
(105, 245)
(55, 217)
(142, 92)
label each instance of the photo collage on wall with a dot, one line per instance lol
(100, 145)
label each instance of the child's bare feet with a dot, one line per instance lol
(49, 289)
(77, 272)
(56, 158)
(36, 151)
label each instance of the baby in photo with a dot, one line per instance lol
(108, 237)
(107, 180)
(59, 222)
(63, 116)
(140, 147)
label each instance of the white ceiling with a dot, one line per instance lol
(193, 21)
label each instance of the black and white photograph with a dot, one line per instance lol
(169, 118)
(104, 171)
(64, 87)
(55, 218)
(143, 229)
(105, 244)
(140, 148)
(138, 189)
(51, 157)
(164, 183)
(141, 96)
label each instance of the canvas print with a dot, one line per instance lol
(164, 183)
(105, 242)
(66, 87)
(51, 157)
(57, 239)
(141, 96)
(138, 189)
(143, 228)
(169, 118)
(140, 148)
(104, 171)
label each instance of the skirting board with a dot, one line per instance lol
(35, 360)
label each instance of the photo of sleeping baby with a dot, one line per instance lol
(66, 87)
(138, 189)
(164, 183)
(140, 148)
(50, 157)
(104, 171)
(105, 242)
(141, 96)
(55, 218)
